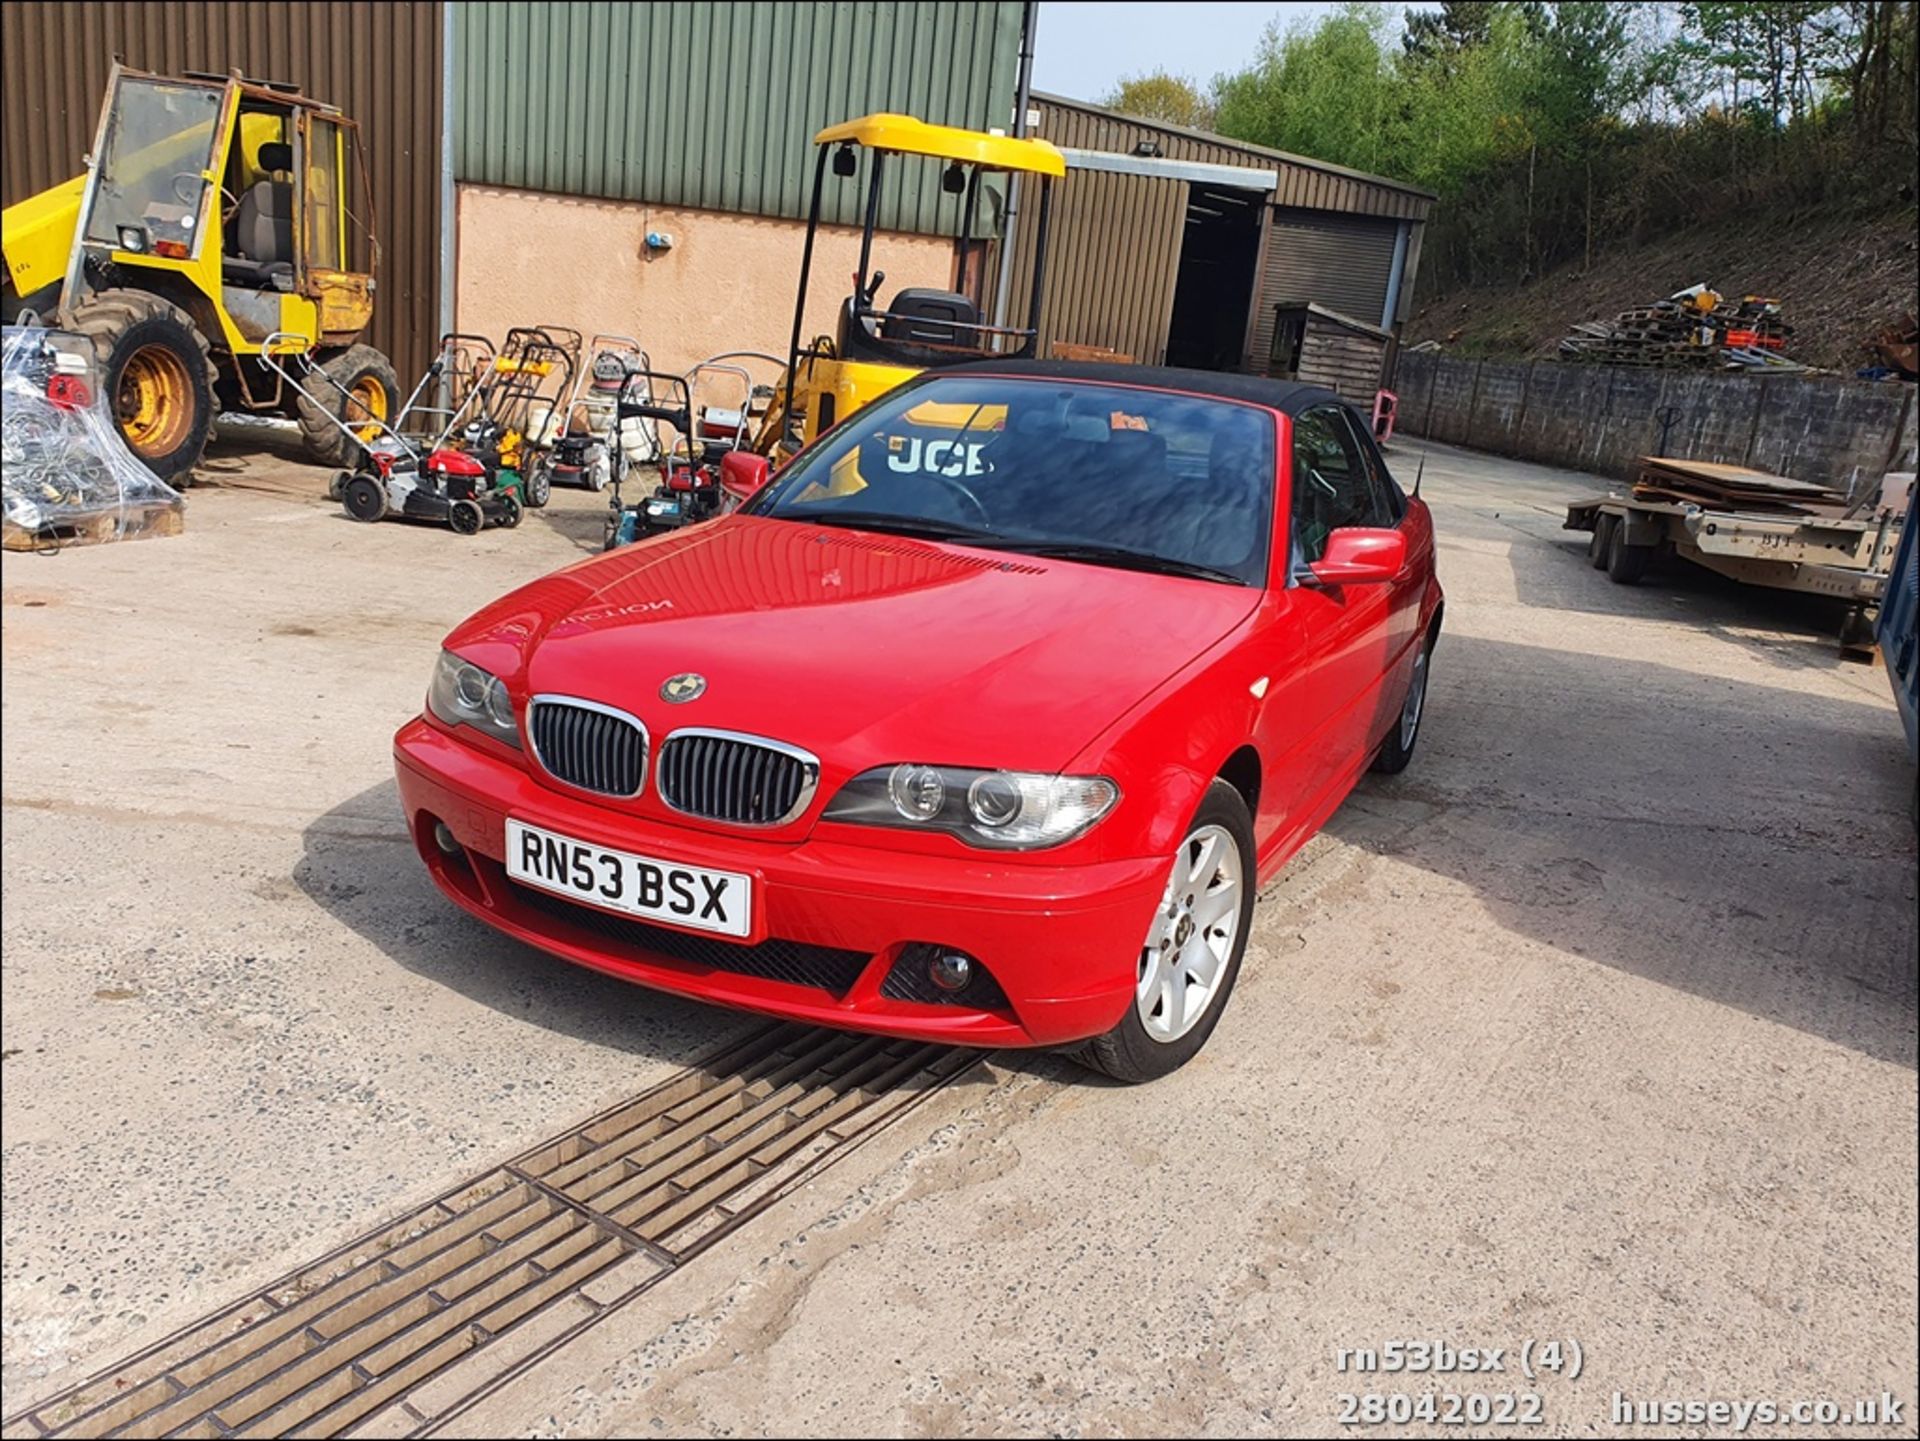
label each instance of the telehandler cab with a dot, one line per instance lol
(215, 211)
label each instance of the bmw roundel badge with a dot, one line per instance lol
(683, 687)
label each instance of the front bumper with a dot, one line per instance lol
(1061, 941)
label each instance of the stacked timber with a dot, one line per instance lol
(1713, 485)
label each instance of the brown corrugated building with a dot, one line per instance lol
(1180, 247)
(575, 131)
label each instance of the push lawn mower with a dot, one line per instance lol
(522, 389)
(433, 478)
(580, 442)
(690, 487)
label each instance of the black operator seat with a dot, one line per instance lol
(931, 317)
(260, 247)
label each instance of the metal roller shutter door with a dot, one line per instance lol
(1342, 262)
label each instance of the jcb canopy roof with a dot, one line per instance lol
(903, 135)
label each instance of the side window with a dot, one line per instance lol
(1333, 486)
(1391, 500)
(325, 230)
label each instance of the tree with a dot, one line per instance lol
(1327, 90)
(1433, 35)
(1552, 129)
(1157, 95)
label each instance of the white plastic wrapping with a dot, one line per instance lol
(65, 473)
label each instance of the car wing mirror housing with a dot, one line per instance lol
(743, 475)
(1360, 556)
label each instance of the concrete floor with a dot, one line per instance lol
(1597, 1024)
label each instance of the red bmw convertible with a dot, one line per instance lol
(980, 722)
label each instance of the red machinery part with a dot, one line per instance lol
(69, 392)
(454, 462)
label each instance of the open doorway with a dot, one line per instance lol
(1219, 257)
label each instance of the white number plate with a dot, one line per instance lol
(691, 896)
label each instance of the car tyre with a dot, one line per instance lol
(1191, 944)
(1396, 751)
(1626, 564)
(1601, 540)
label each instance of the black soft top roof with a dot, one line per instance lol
(1288, 396)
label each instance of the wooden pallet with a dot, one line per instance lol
(138, 523)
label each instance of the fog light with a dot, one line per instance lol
(950, 970)
(444, 838)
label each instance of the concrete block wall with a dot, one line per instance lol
(1842, 433)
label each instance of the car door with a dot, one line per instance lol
(1406, 594)
(1328, 644)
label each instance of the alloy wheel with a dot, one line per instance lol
(1416, 698)
(1192, 936)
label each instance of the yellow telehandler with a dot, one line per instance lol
(214, 212)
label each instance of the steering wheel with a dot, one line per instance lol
(961, 489)
(194, 178)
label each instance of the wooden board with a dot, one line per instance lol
(139, 523)
(1738, 477)
(1068, 350)
(1752, 503)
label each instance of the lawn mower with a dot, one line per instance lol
(522, 388)
(455, 484)
(579, 442)
(690, 487)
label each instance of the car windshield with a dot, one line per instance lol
(1110, 475)
(152, 172)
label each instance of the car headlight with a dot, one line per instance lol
(464, 695)
(999, 810)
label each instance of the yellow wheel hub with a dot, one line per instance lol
(155, 401)
(369, 399)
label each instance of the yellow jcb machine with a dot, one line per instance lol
(215, 212)
(876, 346)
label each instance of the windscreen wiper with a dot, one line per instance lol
(1117, 556)
(920, 527)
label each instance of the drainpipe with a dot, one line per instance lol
(449, 219)
(1029, 20)
(1395, 274)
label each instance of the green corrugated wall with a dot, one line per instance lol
(715, 105)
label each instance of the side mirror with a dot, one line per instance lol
(743, 475)
(1358, 556)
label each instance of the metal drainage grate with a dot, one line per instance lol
(409, 1325)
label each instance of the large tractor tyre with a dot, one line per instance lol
(151, 362)
(366, 375)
